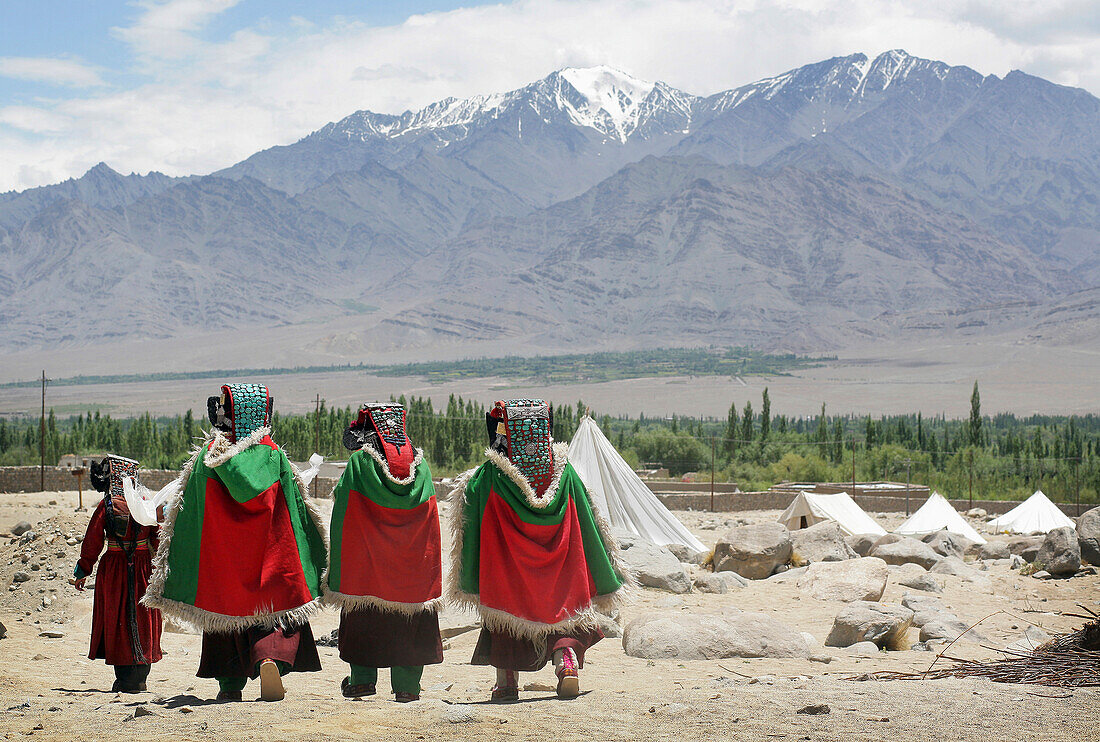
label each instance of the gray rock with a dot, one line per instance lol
(864, 649)
(994, 550)
(1033, 638)
(711, 582)
(688, 636)
(733, 580)
(1025, 546)
(655, 566)
(978, 513)
(946, 543)
(885, 625)
(856, 579)
(457, 713)
(1060, 553)
(922, 603)
(947, 627)
(1088, 536)
(753, 551)
(862, 543)
(1042, 574)
(823, 542)
(609, 626)
(687, 554)
(887, 538)
(815, 709)
(20, 528)
(1017, 562)
(906, 550)
(3, 630)
(20, 577)
(923, 581)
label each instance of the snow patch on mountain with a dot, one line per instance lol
(614, 99)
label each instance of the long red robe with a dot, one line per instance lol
(114, 637)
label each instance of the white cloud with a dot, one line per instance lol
(48, 70)
(207, 105)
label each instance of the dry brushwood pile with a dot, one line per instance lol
(1067, 661)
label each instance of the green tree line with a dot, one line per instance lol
(1001, 456)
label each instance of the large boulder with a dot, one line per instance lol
(906, 550)
(823, 542)
(959, 568)
(994, 550)
(855, 579)
(862, 543)
(1060, 553)
(1025, 546)
(922, 581)
(687, 636)
(946, 543)
(655, 566)
(887, 538)
(885, 625)
(711, 582)
(1088, 536)
(946, 626)
(753, 551)
(687, 554)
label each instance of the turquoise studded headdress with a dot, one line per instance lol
(248, 407)
(525, 425)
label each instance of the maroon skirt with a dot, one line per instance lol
(505, 652)
(237, 654)
(371, 637)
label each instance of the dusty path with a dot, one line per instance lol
(49, 690)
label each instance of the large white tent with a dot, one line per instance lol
(809, 509)
(1036, 514)
(620, 494)
(936, 514)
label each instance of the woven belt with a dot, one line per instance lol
(140, 544)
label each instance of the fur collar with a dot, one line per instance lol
(221, 450)
(510, 470)
(369, 450)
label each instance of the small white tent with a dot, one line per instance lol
(809, 509)
(936, 514)
(1036, 514)
(620, 494)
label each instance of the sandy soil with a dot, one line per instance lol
(49, 690)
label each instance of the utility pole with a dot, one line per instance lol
(316, 433)
(712, 473)
(853, 467)
(42, 439)
(1077, 477)
(908, 465)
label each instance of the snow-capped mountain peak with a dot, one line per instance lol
(613, 99)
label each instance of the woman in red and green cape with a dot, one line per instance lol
(530, 553)
(242, 552)
(385, 570)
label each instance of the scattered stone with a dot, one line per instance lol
(856, 579)
(687, 554)
(976, 513)
(1042, 574)
(753, 551)
(864, 649)
(1025, 546)
(922, 603)
(52, 634)
(20, 528)
(711, 582)
(948, 544)
(861, 543)
(686, 636)
(959, 568)
(539, 687)
(457, 713)
(1060, 553)
(947, 627)
(885, 625)
(331, 639)
(921, 647)
(887, 538)
(923, 581)
(906, 550)
(733, 580)
(823, 542)
(1017, 562)
(3, 630)
(654, 566)
(1033, 638)
(139, 712)
(1088, 536)
(71, 541)
(40, 657)
(815, 709)
(20, 577)
(994, 550)
(186, 710)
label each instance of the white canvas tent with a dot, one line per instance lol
(936, 514)
(1036, 514)
(620, 494)
(809, 509)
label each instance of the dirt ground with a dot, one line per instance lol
(50, 690)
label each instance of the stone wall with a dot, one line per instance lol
(61, 479)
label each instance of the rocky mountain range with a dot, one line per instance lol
(850, 199)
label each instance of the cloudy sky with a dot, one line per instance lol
(190, 86)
